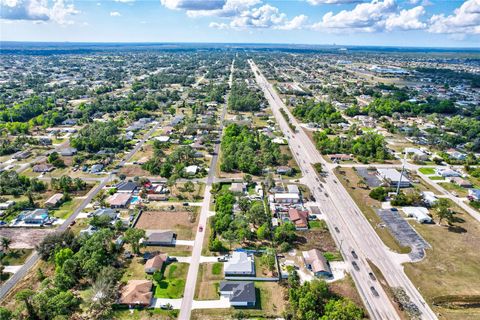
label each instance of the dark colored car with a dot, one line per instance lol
(355, 265)
(354, 254)
(372, 276)
(374, 291)
(336, 229)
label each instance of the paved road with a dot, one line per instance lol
(10, 283)
(188, 295)
(355, 232)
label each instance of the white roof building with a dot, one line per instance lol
(393, 177)
(419, 213)
(429, 197)
(191, 169)
(240, 263)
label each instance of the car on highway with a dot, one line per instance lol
(355, 265)
(326, 194)
(336, 229)
(186, 204)
(354, 254)
(374, 291)
(200, 228)
(372, 276)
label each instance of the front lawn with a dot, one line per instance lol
(317, 224)
(427, 170)
(173, 283)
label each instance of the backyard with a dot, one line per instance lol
(173, 282)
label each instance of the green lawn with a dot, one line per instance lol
(173, 283)
(427, 170)
(436, 178)
(317, 224)
(452, 187)
(217, 268)
(15, 257)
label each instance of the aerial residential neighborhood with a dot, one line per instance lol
(229, 159)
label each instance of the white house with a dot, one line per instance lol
(419, 213)
(429, 198)
(286, 197)
(240, 263)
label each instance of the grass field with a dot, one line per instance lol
(427, 170)
(317, 224)
(173, 282)
(451, 267)
(209, 277)
(452, 187)
(150, 314)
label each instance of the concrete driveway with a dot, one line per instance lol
(223, 303)
(158, 302)
(184, 242)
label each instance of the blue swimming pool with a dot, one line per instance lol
(134, 199)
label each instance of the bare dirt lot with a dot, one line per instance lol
(183, 223)
(24, 237)
(133, 170)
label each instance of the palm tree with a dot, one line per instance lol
(6, 243)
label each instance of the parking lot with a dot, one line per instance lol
(404, 233)
(370, 177)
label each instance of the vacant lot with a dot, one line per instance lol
(209, 276)
(452, 187)
(151, 314)
(315, 239)
(25, 237)
(346, 288)
(427, 170)
(173, 282)
(452, 267)
(183, 223)
(132, 170)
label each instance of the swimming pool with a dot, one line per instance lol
(134, 199)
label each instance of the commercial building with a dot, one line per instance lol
(419, 213)
(392, 177)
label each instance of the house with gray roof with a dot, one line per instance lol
(239, 293)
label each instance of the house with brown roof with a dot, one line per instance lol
(54, 200)
(118, 200)
(43, 168)
(136, 293)
(316, 262)
(155, 263)
(298, 218)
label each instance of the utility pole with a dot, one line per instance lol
(401, 173)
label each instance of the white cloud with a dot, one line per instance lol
(115, 14)
(464, 20)
(125, 1)
(231, 8)
(366, 17)
(318, 2)
(193, 4)
(406, 20)
(37, 10)
(220, 26)
(297, 22)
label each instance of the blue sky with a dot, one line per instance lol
(424, 23)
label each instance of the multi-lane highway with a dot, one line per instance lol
(342, 214)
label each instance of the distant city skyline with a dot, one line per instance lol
(404, 23)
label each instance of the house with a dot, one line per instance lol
(293, 188)
(416, 153)
(162, 138)
(155, 263)
(448, 173)
(316, 262)
(136, 293)
(89, 230)
(238, 187)
(54, 200)
(126, 187)
(96, 168)
(286, 197)
(461, 182)
(68, 152)
(284, 170)
(298, 218)
(102, 212)
(119, 200)
(37, 216)
(20, 155)
(129, 135)
(43, 168)
(419, 213)
(240, 263)
(429, 198)
(473, 194)
(340, 157)
(160, 238)
(393, 177)
(191, 170)
(239, 293)
(7, 204)
(69, 122)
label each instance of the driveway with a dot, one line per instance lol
(184, 242)
(12, 269)
(223, 303)
(204, 259)
(158, 302)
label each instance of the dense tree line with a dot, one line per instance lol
(67, 184)
(387, 106)
(14, 184)
(320, 113)
(369, 146)
(247, 151)
(313, 300)
(98, 136)
(242, 98)
(8, 146)
(173, 164)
